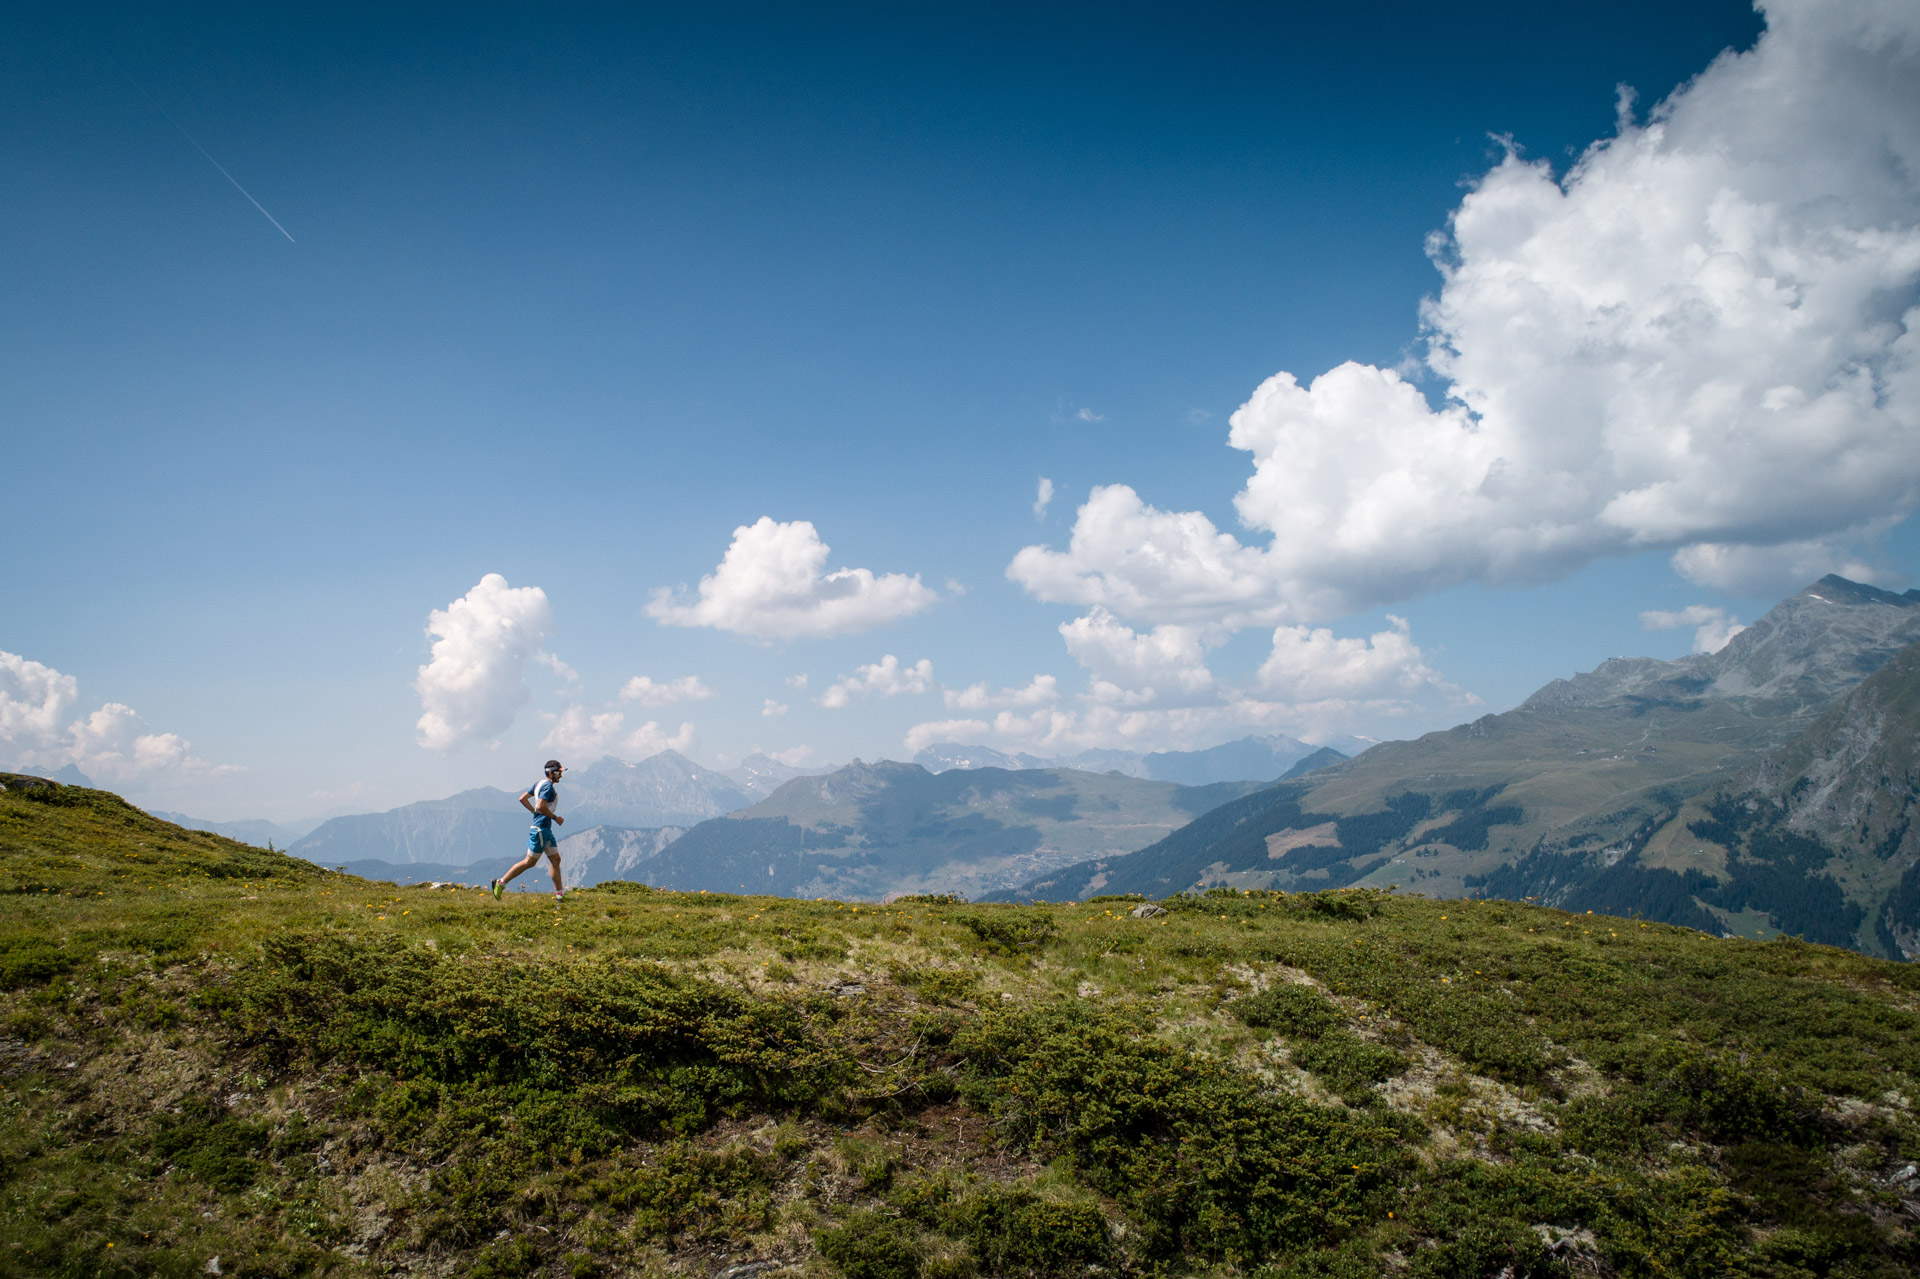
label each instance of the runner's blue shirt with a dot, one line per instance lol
(546, 790)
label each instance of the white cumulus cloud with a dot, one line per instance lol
(1714, 626)
(584, 733)
(111, 745)
(770, 709)
(1040, 691)
(1312, 665)
(1135, 667)
(476, 679)
(884, 678)
(921, 736)
(34, 704)
(1065, 730)
(1160, 566)
(771, 585)
(648, 692)
(1702, 337)
(1152, 691)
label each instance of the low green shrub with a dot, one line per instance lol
(1197, 1154)
(686, 1189)
(1010, 932)
(1348, 1064)
(209, 1145)
(1487, 1246)
(871, 1245)
(1721, 1096)
(942, 985)
(1318, 1039)
(1290, 1008)
(26, 960)
(802, 942)
(514, 1258)
(1013, 1231)
(625, 1050)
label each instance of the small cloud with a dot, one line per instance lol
(1088, 415)
(688, 688)
(558, 667)
(921, 736)
(955, 587)
(1195, 417)
(771, 709)
(1042, 690)
(792, 757)
(797, 682)
(771, 585)
(884, 678)
(1715, 626)
(1043, 497)
(583, 732)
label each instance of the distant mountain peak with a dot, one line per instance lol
(1834, 589)
(1804, 652)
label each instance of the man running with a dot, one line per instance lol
(542, 800)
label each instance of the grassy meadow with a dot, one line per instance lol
(212, 1051)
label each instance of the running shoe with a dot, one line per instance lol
(495, 887)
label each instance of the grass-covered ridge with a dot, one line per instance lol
(212, 1050)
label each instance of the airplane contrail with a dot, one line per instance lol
(229, 177)
(202, 150)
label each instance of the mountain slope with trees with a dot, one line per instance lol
(1627, 789)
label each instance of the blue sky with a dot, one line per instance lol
(570, 296)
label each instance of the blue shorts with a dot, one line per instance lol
(540, 839)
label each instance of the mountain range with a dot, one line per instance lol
(256, 831)
(664, 790)
(1249, 759)
(869, 830)
(593, 856)
(1765, 787)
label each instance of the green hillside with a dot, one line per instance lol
(210, 1051)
